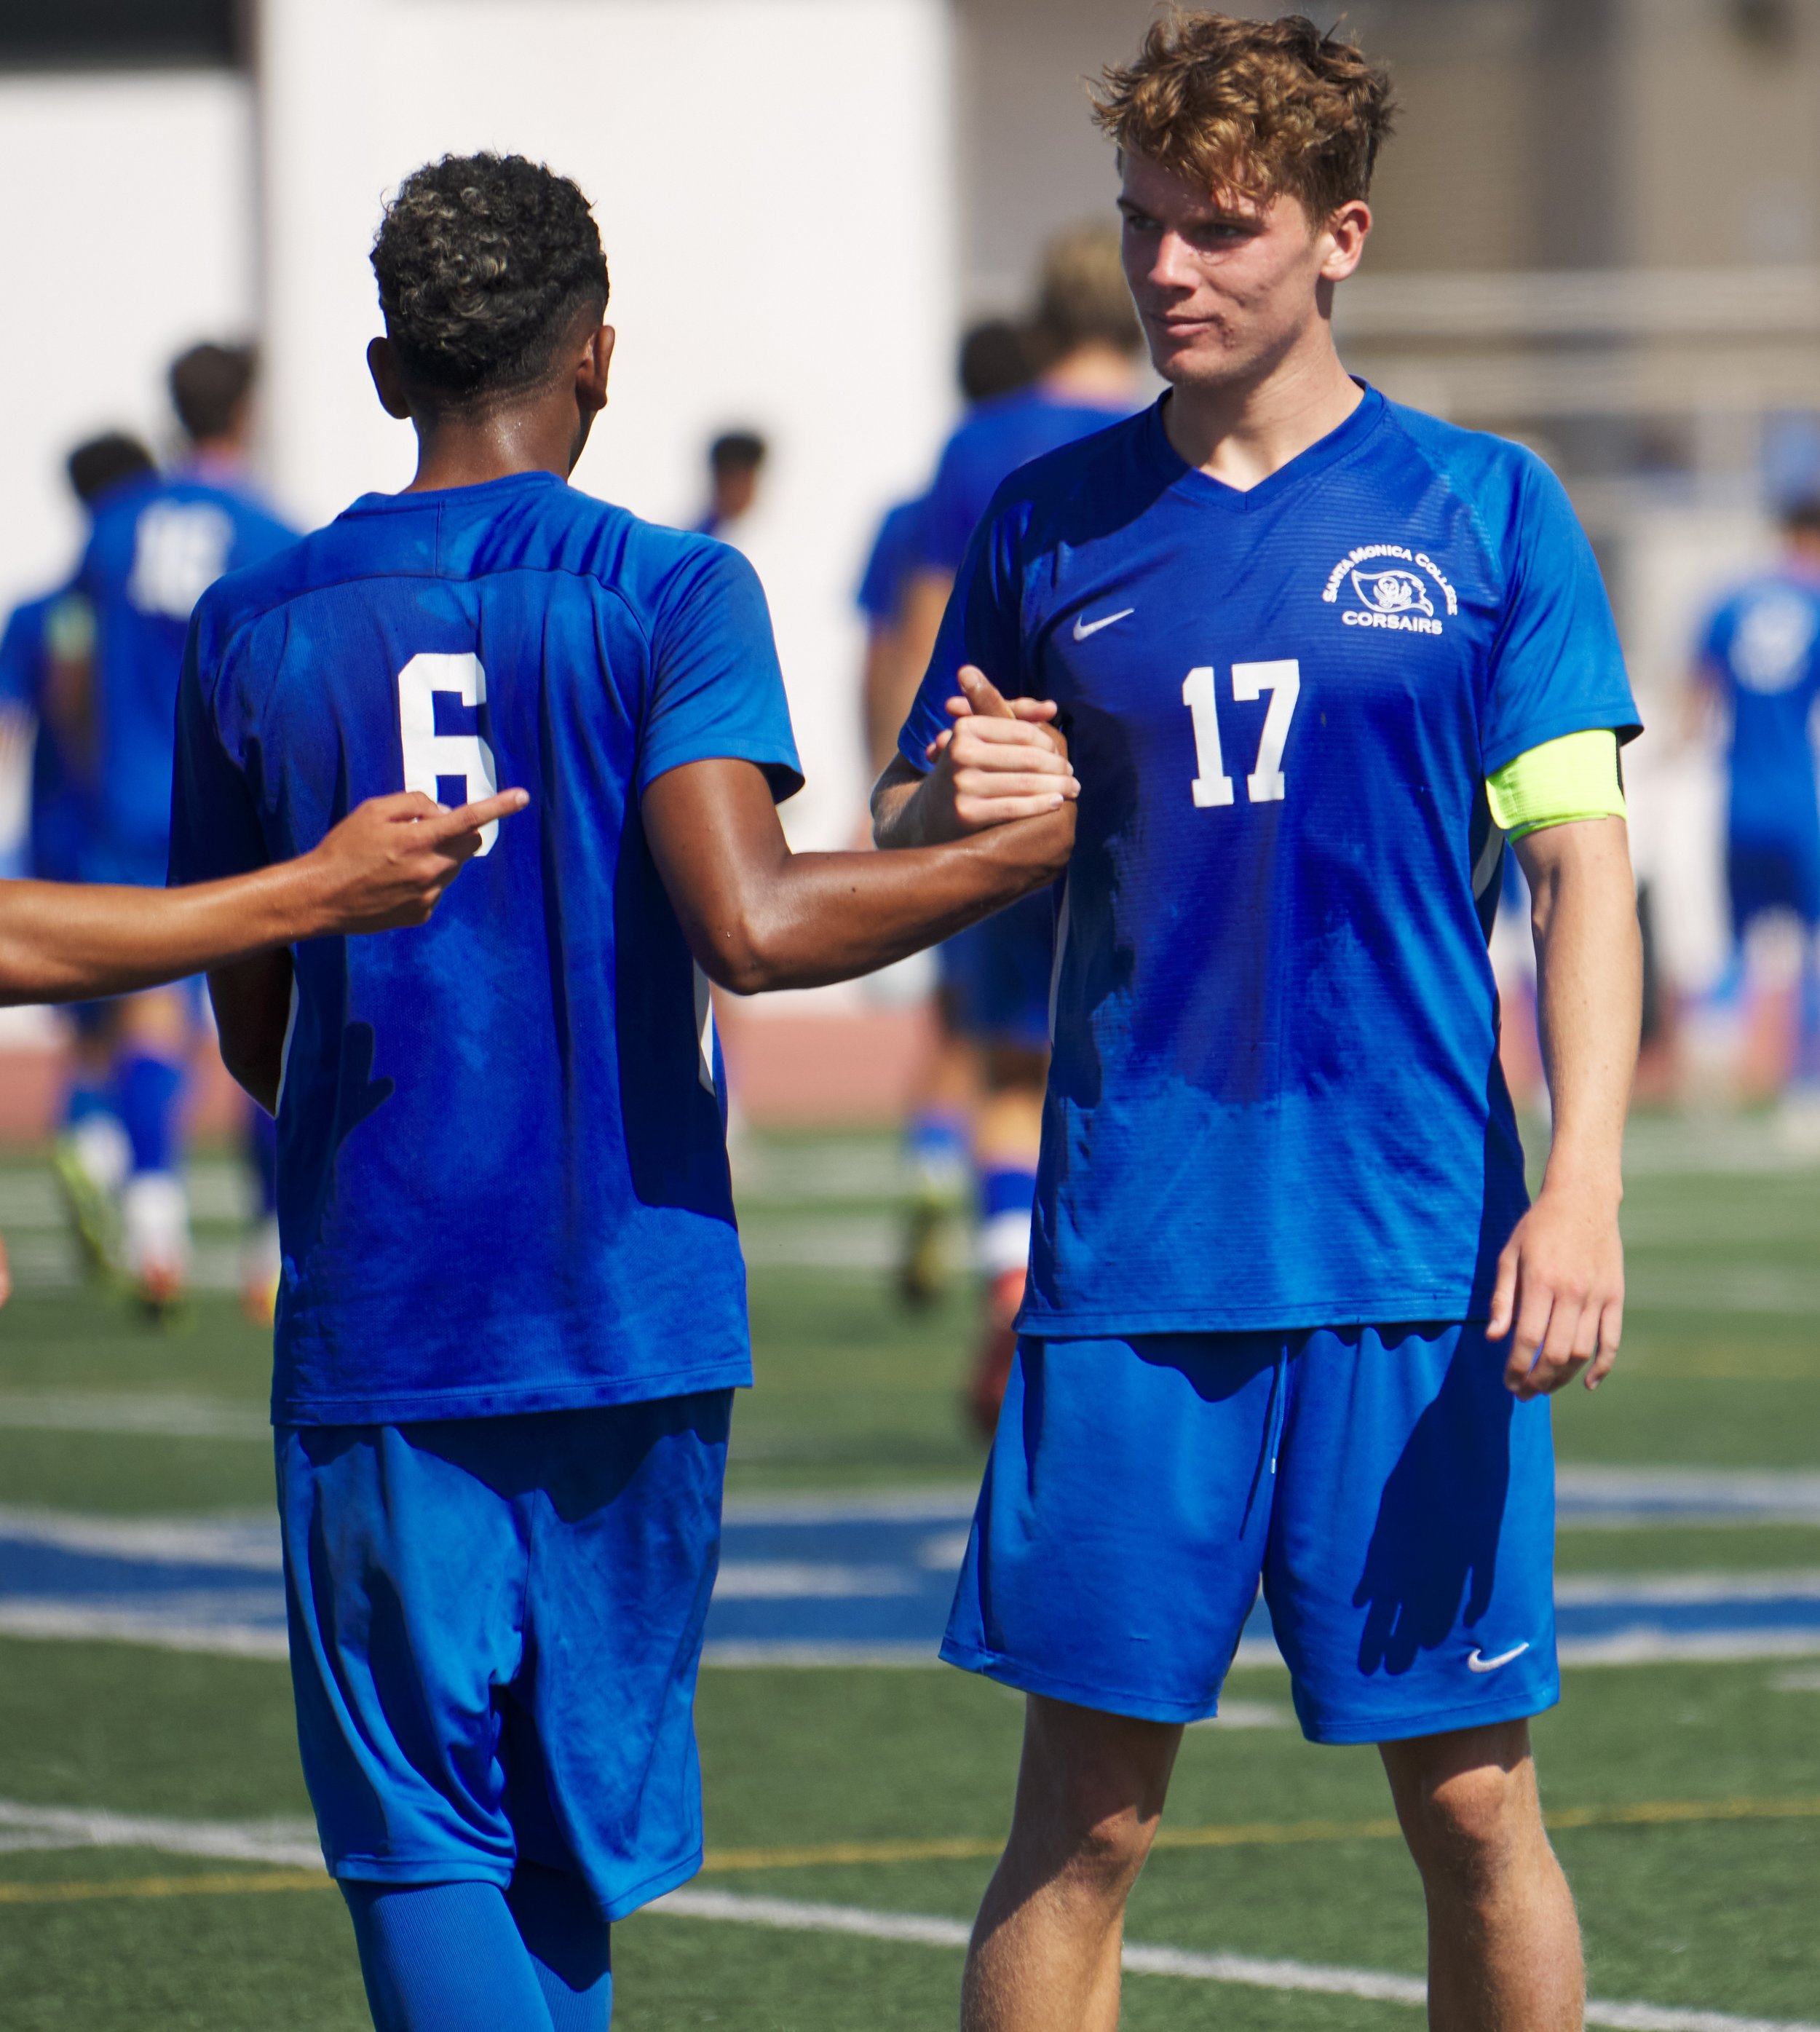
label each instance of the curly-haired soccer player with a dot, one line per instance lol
(1317, 657)
(513, 1315)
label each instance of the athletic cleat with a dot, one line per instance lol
(927, 1269)
(155, 1216)
(160, 1289)
(998, 1350)
(90, 1162)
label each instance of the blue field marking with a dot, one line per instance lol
(848, 1579)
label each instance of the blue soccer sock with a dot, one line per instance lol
(88, 1094)
(935, 1150)
(1007, 1197)
(148, 1096)
(570, 1944)
(458, 1957)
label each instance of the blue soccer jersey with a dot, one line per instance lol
(1762, 648)
(892, 559)
(995, 438)
(158, 543)
(503, 1168)
(1275, 1099)
(54, 828)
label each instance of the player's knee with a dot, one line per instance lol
(1470, 1826)
(1098, 1805)
(1105, 1849)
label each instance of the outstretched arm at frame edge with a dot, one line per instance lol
(385, 865)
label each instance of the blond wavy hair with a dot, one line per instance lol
(1251, 109)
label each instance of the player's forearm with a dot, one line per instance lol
(1588, 965)
(823, 917)
(898, 816)
(63, 941)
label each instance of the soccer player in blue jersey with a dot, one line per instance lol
(1291, 1316)
(513, 1309)
(996, 977)
(995, 360)
(157, 543)
(1759, 668)
(47, 666)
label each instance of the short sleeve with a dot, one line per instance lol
(881, 590)
(1715, 642)
(19, 656)
(982, 626)
(716, 691)
(952, 510)
(215, 823)
(1557, 667)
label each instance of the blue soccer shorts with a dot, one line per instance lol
(495, 1625)
(996, 974)
(1396, 1502)
(1763, 875)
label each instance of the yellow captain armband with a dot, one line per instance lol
(1574, 778)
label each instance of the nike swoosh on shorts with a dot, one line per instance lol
(1479, 1662)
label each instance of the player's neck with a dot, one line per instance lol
(1241, 433)
(469, 450)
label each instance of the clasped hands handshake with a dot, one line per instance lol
(1003, 759)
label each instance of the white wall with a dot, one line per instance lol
(772, 180)
(129, 234)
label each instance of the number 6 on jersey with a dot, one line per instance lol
(429, 755)
(1266, 783)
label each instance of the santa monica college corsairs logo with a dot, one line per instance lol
(1402, 596)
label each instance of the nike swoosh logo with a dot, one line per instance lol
(1083, 627)
(1479, 1662)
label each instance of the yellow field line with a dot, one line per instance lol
(211, 1884)
(1643, 1812)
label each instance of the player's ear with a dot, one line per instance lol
(1345, 232)
(592, 368)
(383, 365)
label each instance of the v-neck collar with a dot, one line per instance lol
(1198, 485)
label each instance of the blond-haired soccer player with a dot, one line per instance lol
(1290, 1316)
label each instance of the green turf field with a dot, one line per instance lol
(1686, 1796)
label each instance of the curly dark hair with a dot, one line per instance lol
(1252, 108)
(483, 261)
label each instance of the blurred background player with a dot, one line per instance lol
(1758, 668)
(995, 360)
(46, 658)
(159, 542)
(1085, 343)
(735, 460)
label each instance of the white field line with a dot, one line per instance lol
(166, 1631)
(1772, 1584)
(1251, 1972)
(800, 1580)
(288, 1842)
(1722, 1288)
(882, 1505)
(157, 1414)
(291, 1844)
(246, 1540)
